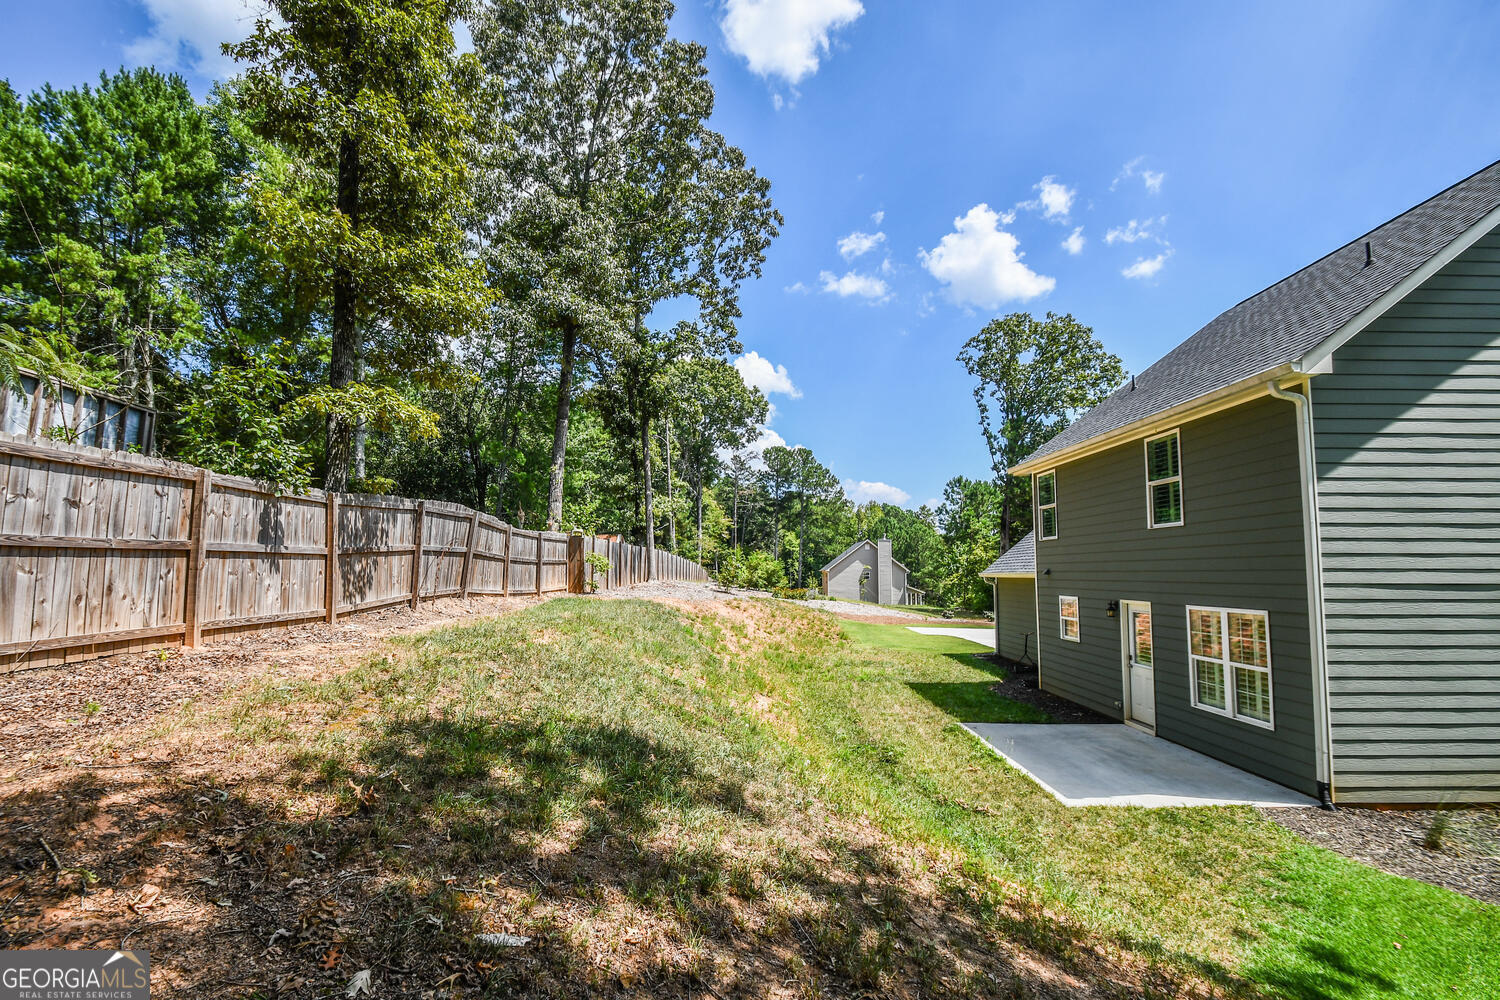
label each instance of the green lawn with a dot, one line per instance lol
(1220, 888)
(767, 797)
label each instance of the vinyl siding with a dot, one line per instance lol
(843, 576)
(1407, 431)
(1015, 617)
(1241, 547)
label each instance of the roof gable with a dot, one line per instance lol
(1018, 560)
(1293, 317)
(845, 554)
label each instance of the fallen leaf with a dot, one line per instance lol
(359, 984)
(331, 957)
(147, 899)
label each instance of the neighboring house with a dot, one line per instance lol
(865, 571)
(1013, 577)
(77, 417)
(1280, 544)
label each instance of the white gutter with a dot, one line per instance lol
(1312, 539)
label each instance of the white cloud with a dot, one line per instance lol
(1152, 179)
(877, 217)
(865, 286)
(863, 492)
(932, 503)
(785, 38)
(1075, 241)
(185, 35)
(768, 378)
(1147, 267)
(1136, 230)
(1056, 198)
(767, 439)
(796, 288)
(980, 264)
(858, 243)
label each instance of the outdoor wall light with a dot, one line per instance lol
(1112, 608)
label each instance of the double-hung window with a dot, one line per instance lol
(1164, 480)
(1046, 503)
(1230, 653)
(1067, 615)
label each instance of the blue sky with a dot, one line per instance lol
(935, 160)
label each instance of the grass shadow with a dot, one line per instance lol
(974, 701)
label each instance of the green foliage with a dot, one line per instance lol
(972, 515)
(233, 421)
(756, 570)
(796, 593)
(373, 104)
(606, 194)
(1033, 377)
(381, 406)
(105, 194)
(599, 563)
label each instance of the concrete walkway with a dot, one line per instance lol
(984, 636)
(1116, 765)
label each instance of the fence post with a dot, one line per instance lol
(539, 548)
(416, 562)
(469, 555)
(505, 566)
(575, 563)
(331, 571)
(197, 532)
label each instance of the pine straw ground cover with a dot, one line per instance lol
(733, 800)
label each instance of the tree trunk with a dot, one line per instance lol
(560, 429)
(671, 514)
(646, 493)
(345, 340)
(802, 543)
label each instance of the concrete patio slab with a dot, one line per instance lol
(984, 636)
(1122, 766)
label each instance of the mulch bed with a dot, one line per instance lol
(1021, 685)
(1465, 858)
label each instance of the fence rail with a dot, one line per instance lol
(103, 552)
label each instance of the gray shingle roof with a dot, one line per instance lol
(1293, 316)
(1019, 558)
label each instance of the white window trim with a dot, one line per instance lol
(1036, 491)
(1062, 619)
(1181, 493)
(1230, 696)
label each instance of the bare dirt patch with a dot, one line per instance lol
(48, 716)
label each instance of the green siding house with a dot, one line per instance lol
(1280, 544)
(1013, 578)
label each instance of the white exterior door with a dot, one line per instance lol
(1140, 685)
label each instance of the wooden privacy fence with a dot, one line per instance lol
(103, 552)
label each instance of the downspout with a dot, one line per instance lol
(1313, 547)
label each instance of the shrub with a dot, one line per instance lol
(795, 593)
(754, 570)
(600, 564)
